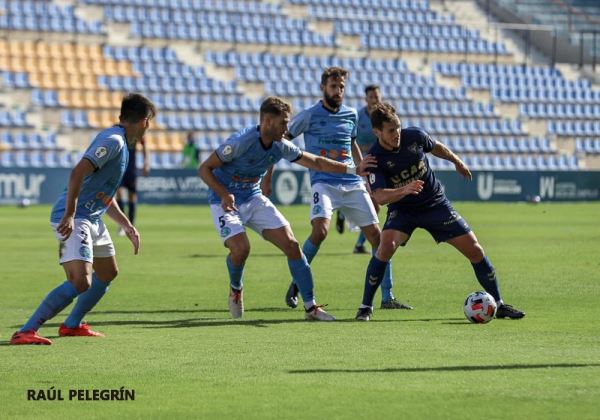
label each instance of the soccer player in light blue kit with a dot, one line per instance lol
(87, 253)
(234, 173)
(330, 129)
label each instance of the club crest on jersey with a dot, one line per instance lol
(100, 152)
(414, 148)
(227, 150)
(390, 164)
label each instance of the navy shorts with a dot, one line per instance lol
(130, 181)
(441, 221)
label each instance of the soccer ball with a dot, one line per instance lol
(480, 307)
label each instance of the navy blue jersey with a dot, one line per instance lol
(404, 165)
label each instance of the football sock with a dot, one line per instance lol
(310, 250)
(235, 274)
(486, 275)
(361, 239)
(86, 301)
(57, 300)
(387, 283)
(373, 278)
(131, 207)
(302, 276)
(121, 204)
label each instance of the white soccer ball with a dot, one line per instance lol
(25, 202)
(480, 307)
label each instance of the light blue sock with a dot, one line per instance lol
(57, 300)
(361, 239)
(310, 250)
(235, 274)
(387, 283)
(302, 276)
(86, 301)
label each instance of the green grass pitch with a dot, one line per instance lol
(170, 338)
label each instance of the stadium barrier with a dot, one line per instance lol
(183, 186)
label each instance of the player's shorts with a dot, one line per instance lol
(258, 214)
(130, 181)
(442, 221)
(353, 200)
(88, 240)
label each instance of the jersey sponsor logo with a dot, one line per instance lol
(410, 174)
(85, 252)
(227, 150)
(225, 231)
(316, 209)
(100, 152)
(414, 148)
(334, 153)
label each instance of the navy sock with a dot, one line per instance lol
(486, 275)
(57, 300)
(302, 276)
(121, 204)
(361, 239)
(86, 301)
(236, 274)
(131, 207)
(373, 278)
(387, 283)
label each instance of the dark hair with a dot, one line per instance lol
(335, 72)
(382, 113)
(274, 106)
(135, 107)
(370, 88)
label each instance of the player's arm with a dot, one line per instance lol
(78, 174)
(390, 195)
(356, 152)
(206, 173)
(443, 152)
(146, 168)
(265, 184)
(321, 164)
(114, 212)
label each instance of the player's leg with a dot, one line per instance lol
(359, 247)
(230, 227)
(283, 238)
(470, 247)
(340, 222)
(76, 259)
(132, 206)
(105, 269)
(390, 240)
(321, 211)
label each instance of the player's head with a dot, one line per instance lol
(386, 125)
(136, 113)
(372, 96)
(274, 117)
(333, 84)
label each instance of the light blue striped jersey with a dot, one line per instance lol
(108, 153)
(246, 161)
(328, 134)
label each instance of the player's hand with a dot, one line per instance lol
(134, 236)
(65, 227)
(463, 169)
(366, 163)
(413, 188)
(228, 203)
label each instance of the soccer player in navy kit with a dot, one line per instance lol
(234, 174)
(87, 253)
(405, 182)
